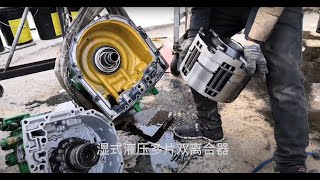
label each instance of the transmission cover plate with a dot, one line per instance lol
(44, 134)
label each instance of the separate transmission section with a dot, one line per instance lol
(68, 142)
(113, 64)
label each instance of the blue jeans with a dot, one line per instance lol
(284, 81)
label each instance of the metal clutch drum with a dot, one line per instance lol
(113, 64)
(215, 67)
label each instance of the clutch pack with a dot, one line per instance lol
(215, 67)
(113, 64)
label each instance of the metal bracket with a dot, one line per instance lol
(26, 69)
(178, 15)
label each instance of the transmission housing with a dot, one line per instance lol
(113, 64)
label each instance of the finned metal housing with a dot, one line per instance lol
(215, 67)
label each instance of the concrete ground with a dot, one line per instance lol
(247, 122)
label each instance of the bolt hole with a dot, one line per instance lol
(150, 82)
(147, 78)
(139, 86)
(72, 111)
(41, 124)
(43, 140)
(111, 116)
(47, 117)
(25, 122)
(142, 89)
(32, 166)
(111, 124)
(41, 167)
(92, 112)
(129, 101)
(79, 77)
(121, 163)
(42, 154)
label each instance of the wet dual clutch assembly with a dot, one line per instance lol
(215, 67)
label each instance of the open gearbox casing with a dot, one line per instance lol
(106, 66)
(113, 64)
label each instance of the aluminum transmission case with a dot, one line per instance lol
(55, 142)
(113, 64)
(215, 67)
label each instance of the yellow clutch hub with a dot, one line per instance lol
(115, 62)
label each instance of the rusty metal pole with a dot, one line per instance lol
(16, 38)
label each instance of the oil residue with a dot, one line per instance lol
(161, 162)
(158, 161)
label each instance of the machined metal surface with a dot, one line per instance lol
(115, 62)
(215, 67)
(75, 131)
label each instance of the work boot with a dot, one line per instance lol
(208, 125)
(196, 131)
(293, 169)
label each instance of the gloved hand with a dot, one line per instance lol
(184, 46)
(257, 64)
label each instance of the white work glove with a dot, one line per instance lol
(257, 64)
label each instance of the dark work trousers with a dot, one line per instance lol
(285, 87)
